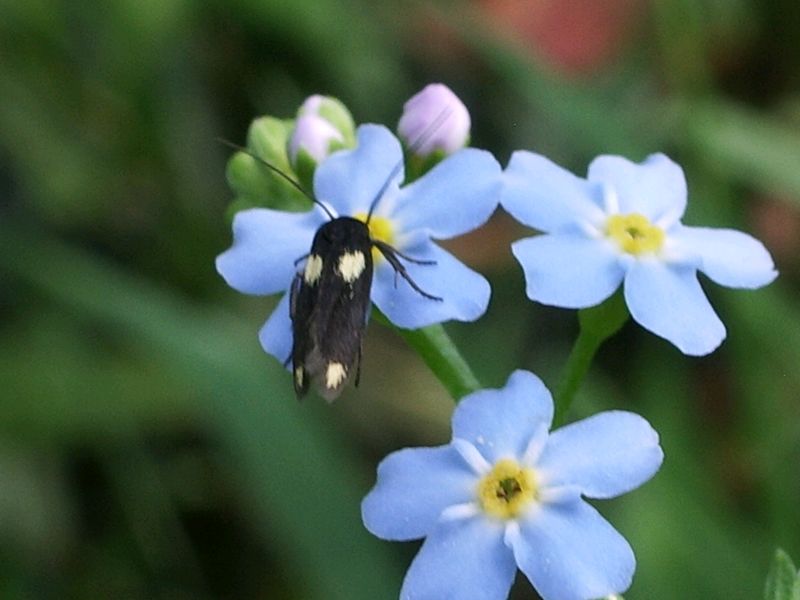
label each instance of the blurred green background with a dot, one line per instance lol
(150, 449)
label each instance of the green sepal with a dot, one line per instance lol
(783, 580)
(255, 184)
(417, 166)
(305, 164)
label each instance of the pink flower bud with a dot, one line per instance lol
(434, 119)
(315, 135)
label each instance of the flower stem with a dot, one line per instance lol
(597, 324)
(439, 352)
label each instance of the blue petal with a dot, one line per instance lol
(456, 196)
(568, 270)
(605, 455)
(500, 423)
(570, 552)
(349, 180)
(729, 257)
(276, 334)
(462, 560)
(656, 188)
(669, 301)
(543, 195)
(465, 293)
(414, 486)
(266, 244)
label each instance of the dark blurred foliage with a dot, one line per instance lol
(149, 449)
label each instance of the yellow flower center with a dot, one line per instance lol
(634, 233)
(380, 228)
(507, 489)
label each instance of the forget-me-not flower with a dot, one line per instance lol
(506, 493)
(622, 224)
(456, 196)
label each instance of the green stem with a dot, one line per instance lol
(597, 324)
(439, 352)
(580, 358)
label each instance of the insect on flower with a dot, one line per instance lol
(330, 302)
(330, 295)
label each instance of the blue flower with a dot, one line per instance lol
(458, 195)
(505, 493)
(622, 224)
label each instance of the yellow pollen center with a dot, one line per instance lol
(634, 233)
(507, 489)
(380, 228)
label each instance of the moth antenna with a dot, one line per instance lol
(276, 170)
(413, 147)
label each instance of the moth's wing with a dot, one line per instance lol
(337, 324)
(302, 301)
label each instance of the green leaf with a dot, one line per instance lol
(783, 582)
(747, 146)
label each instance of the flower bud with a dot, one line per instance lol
(312, 140)
(434, 119)
(333, 111)
(314, 135)
(323, 125)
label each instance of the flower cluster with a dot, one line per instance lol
(458, 195)
(505, 493)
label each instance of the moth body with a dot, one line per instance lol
(330, 302)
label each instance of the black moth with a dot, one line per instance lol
(330, 303)
(330, 296)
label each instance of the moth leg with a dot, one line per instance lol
(358, 366)
(390, 254)
(302, 258)
(406, 257)
(409, 259)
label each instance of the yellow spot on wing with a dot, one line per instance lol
(313, 269)
(351, 265)
(334, 375)
(298, 376)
